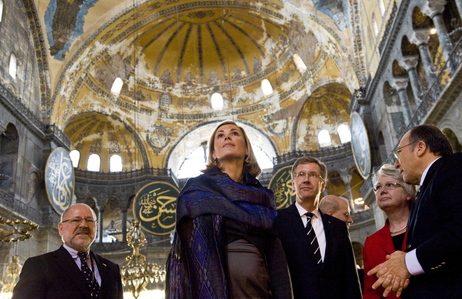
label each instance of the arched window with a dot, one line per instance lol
(13, 66)
(165, 101)
(266, 87)
(75, 158)
(194, 162)
(375, 26)
(94, 163)
(324, 139)
(299, 63)
(117, 86)
(186, 164)
(217, 101)
(115, 163)
(344, 133)
(1, 10)
(382, 7)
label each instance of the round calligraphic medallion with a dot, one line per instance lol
(155, 207)
(360, 145)
(281, 185)
(59, 180)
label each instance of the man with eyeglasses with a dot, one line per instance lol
(72, 271)
(332, 274)
(430, 267)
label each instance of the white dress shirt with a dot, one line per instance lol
(316, 223)
(92, 266)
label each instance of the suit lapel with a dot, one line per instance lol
(67, 264)
(103, 272)
(421, 198)
(298, 235)
(297, 225)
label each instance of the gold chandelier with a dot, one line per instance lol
(136, 274)
(12, 273)
(14, 231)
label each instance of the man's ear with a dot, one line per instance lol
(420, 148)
(60, 228)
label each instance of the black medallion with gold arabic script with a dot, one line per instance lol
(281, 185)
(155, 207)
(59, 180)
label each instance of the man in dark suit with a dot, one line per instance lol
(335, 276)
(431, 266)
(58, 274)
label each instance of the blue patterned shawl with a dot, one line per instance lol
(196, 265)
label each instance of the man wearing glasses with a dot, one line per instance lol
(317, 246)
(431, 266)
(72, 271)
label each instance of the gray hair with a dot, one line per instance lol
(389, 170)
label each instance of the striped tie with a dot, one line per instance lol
(314, 246)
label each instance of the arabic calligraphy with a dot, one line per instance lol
(155, 207)
(60, 180)
(281, 184)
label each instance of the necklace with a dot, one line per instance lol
(399, 230)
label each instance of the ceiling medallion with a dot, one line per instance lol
(158, 138)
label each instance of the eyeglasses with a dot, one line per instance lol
(78, 220)
(387, 186)
(397, 152)
(310, 175)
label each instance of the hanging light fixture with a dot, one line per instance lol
(13, 231)
(11, 276)
(136, 274)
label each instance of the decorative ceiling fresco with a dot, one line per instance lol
(173, 55)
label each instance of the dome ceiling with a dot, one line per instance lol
(173, 55)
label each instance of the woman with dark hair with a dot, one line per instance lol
(224, 246)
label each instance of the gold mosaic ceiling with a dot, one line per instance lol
(172, 55)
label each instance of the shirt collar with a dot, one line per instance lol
(424, 174)
(72, 251)
(302, 211)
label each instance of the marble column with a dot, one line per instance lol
(434, 9)
(420, 38)
(400, 84)
(459, 6)
(100, 225)
(346, 178)
(124, 226)
(409, 63)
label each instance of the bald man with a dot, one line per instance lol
(337, 207)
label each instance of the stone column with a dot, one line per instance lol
(400, 84)
(124, 226)
(409, 63)
(459, 6)
(434, 9)
(420, 38)
(346, 178)
(100, 225)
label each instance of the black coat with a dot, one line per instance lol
(55, 275)
(338, 277)
(435, 229)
